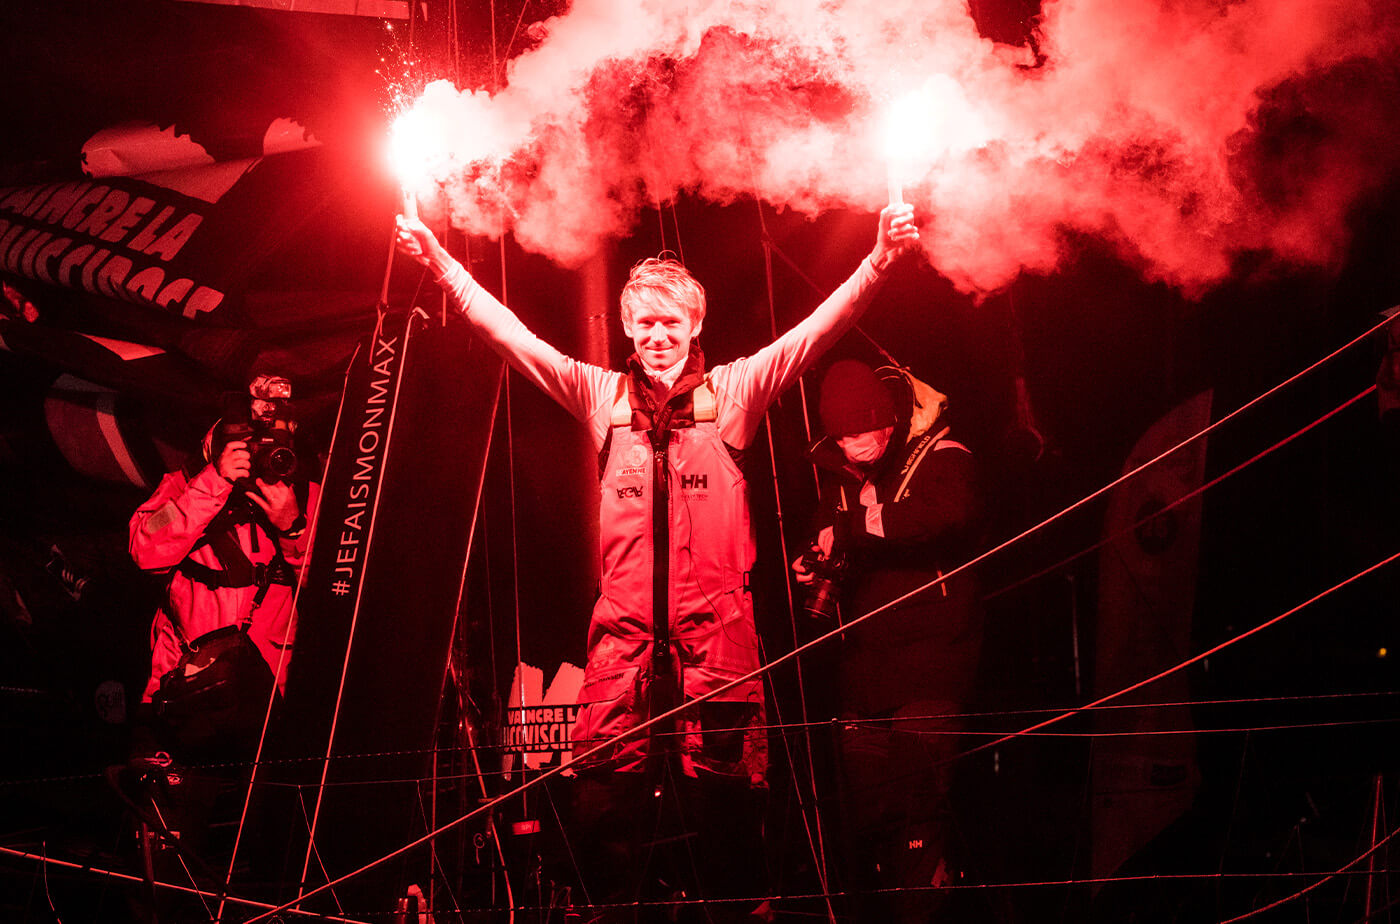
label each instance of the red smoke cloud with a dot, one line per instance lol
(1186, 131)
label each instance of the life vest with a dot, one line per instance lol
(674, 617)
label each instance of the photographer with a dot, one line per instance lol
(231, 532)
(899, 507)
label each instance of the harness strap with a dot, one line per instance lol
(702, 402)
(238, 570)
(704, 409)
(276, 571)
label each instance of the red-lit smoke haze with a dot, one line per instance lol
(1148, 123)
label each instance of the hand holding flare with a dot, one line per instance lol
(412, 142)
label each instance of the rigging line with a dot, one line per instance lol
(661, 223)
(1170, 704)
(495, 61)
(1326, 878)
(454, 25)
(1189, 661)
(514, 525)
(813, 285)
(837, 632)
(1234, 812)
(486, 545)
(518, 673)
(676, 223)
(812, 826)
(491, 818)
(816, 835)
(108, 874)
(893, 721)
(1148, 733)
(306, 822)
(448, 674)
(1085, 809)
(515, 33)
(49, 895)
(768, 247)
(428, 815)
(1153, 878)
(966, 733)
(666, 716)
(890, 724)
(1108, 707)
(1383, 909)
(272, 694)
(568, 845)
(355, 612)
(1377, 809)
(1344, 871)
(1201, 489)
(179, 855)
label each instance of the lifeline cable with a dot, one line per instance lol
(675, 904)
(822, 639)
(1326, 878)
(886, 606)
(47, 861)
(1184, 664)
(1000, 885)
(1201, 489)
(471, 748)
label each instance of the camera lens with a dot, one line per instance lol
(281, 462)
(822, 599)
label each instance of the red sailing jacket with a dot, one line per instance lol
(167, 529)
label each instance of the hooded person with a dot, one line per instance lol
(899, 508)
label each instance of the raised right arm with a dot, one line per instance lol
(576, 385)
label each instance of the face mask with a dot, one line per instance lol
(865, 448)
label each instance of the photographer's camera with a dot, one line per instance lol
(822, 600)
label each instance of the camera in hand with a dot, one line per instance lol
(271, 443)
(824, 591)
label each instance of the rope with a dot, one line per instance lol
(1324, 880)
(816, 837)
(1345, 871)
(823, 639)
(1195, 492)
(1189, 661)
(48, 861)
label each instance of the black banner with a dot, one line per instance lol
(377, 613)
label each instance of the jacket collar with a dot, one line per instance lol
(692, 374)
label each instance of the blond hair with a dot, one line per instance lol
(661, 280)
